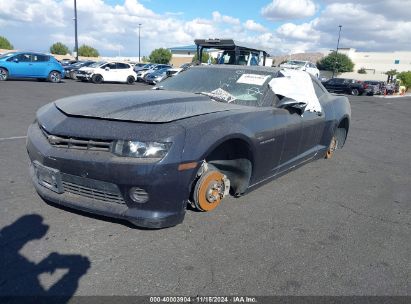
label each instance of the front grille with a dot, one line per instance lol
(93, 189)
(77, 143)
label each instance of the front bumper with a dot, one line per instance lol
(85, 77)
(168, 188)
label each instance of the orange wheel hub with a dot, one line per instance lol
(209, 190)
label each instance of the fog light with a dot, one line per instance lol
(138, 195)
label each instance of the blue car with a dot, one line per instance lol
(30, 65)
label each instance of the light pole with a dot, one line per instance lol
(75, 30)
(336, 52)
(139, 29)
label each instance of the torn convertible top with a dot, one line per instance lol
(296, 85)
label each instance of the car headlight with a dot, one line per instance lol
(138, 149)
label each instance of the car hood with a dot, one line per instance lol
(153, 106)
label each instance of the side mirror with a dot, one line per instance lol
(16, 60)
(107, 69)
(292, 105)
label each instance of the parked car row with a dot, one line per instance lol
(154, 73)
(149, 69)
(71, 69)
(356, 87)
(42, 66)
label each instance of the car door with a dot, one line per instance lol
(329, 84)
(40, 65)
(278, 142)
(123, 71)
(292, 133)
(335, 85)
(20, 65)
(278, 139)
(109, 71)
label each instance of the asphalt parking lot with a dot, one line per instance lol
(333, 227)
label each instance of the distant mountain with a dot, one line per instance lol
(313, 57)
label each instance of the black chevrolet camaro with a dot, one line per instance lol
(197, 137)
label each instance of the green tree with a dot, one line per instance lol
(87, 51)
(5, 44)
(59, 48)
(204, 58)
(405, 78)
(160, 55)
(391, 74)
(339, 62)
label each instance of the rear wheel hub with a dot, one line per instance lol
(331, 148)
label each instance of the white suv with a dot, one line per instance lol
(107, 71)
(303, 66)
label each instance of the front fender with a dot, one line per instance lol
(208, 133)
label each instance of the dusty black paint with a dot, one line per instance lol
(276, 141)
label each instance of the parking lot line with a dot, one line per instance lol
(12, 138)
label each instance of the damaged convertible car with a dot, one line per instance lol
(196, 138)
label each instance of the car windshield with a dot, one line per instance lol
(160, 71)
(78, 64)
(97, 64)
(296, 62)
(240, 86)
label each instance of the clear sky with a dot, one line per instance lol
(278, 26)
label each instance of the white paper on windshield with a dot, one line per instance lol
(254, 79)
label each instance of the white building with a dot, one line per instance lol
(376, 63)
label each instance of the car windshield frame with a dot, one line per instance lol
(79, 64)
(296, 62)
(237, 86)
(160, 71)
(97, 64)
(7, 55)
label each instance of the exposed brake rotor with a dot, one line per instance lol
(210, 189)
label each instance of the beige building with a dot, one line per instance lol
(182, 54)
(376, 64)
